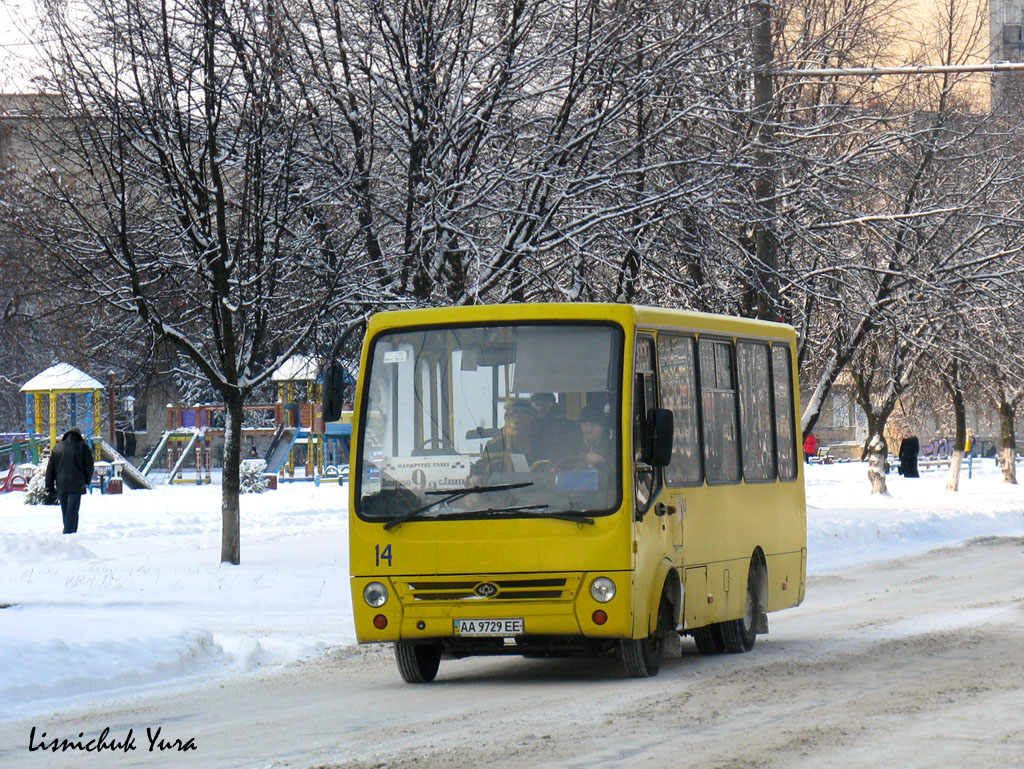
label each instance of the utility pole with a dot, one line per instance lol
(113, 435)
(765, 241)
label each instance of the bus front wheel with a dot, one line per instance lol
(417, 662)
(642, 656)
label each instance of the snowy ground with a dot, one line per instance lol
(137, 598)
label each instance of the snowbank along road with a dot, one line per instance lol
(911, 663)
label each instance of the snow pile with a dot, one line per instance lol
(30, 670)
(138, 597)
(32, 549)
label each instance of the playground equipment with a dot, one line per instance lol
(184, 453)
(168, 461)
(301, 446)
(73, 399)
(18, 448)
(15, 480)
(66, 397)
(123, 471)
(301, 426)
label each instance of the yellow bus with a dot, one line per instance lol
(555, 479)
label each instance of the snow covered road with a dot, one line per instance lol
(916, 662)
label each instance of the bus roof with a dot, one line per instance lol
(625, 314)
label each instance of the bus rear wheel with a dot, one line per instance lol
(417, 662)
(738, 635)
(709, 639)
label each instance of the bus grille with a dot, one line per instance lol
(506, 589)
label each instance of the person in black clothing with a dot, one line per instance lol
(68, 473)
(552, 436)
(910, 447)
(598, 449)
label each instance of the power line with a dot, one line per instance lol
(908, 69)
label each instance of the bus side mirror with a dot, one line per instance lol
(334, 378)
(658, 438)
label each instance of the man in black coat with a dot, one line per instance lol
(69, 472)
(910, 447)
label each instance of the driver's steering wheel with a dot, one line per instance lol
(429, 442)
(570, 462)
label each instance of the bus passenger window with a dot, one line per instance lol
(679, 393)
(755, 411)
(718, 401)
(784, 433)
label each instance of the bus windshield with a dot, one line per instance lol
(491, 421)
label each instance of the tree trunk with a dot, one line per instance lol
(955, 461)
(956, 392)
(878, 452)
(876, 419)
(230, 537)
(1007, 442)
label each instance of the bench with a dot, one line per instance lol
(822, 456)
(930, 464)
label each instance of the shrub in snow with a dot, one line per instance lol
(251, 480)
(35, 494)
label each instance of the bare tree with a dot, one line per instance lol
(188, 204)
(915, 228)
(525, 150)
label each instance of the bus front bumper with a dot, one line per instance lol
(494, 614)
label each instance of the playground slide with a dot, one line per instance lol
(153, 468)
(278, 453)
(155, 454)
(183, 456)
(131, 475)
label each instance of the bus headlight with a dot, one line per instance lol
(375, 594)
(602, 590)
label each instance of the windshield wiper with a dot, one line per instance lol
(451, 496)
(575, 516)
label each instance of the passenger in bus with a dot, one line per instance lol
(598, 450)
(510, 450)
(552, 436)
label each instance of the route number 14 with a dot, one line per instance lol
(381, 555)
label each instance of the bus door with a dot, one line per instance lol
(658, 525)
(677, 384)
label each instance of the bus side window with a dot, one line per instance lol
(678, 378)
(755, 395)
(785, 443)
(718, 407)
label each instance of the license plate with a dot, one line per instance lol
(501, 627)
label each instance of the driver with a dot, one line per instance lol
(597, 444)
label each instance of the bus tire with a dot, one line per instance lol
(417, 662)
(642, 657)
(738, 635)
(709, 639)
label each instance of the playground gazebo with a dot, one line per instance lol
(82, 407)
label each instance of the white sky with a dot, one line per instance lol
(17, 21)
